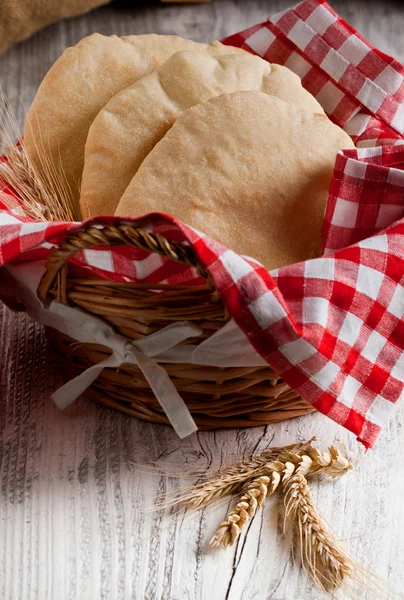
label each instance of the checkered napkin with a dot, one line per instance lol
(332, 327)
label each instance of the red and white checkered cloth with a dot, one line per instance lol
(332, 327)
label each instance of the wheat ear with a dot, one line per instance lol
(306, 461)
(252, 499)
(232, 480)
(321, 555)
(43, 198)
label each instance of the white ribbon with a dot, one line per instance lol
(138, 353)
(227, 347)
(86, 328)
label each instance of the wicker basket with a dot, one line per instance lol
(216, 397)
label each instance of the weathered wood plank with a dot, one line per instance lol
(74, 503)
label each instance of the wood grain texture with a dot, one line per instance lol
(75, 504)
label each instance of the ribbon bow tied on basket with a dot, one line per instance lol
(139, 353)
(85, 328)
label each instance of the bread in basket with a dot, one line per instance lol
(136, 281)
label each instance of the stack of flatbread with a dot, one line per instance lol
(210, 134)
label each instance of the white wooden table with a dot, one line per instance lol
(75, 519)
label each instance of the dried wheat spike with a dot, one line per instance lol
(314, 462)
(43, 198)
(252, 499)
(289, 463)
(231, 481)
(322, 558)
(330, 463)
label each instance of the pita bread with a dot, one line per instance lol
(79, 84)
(248, 169)
(133, 121)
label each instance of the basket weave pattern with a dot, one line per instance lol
(217, 397)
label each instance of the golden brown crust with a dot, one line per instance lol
(78, 85)
(249, 170)
(133, 121)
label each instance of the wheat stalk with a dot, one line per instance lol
(43, 198)
(306, 460)
(232, 480)
(253, 498)
(285, 469)
(321, 555)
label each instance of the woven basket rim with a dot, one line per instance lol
(111, 235)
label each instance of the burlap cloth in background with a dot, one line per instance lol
(20, 18)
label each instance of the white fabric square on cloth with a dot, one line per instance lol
(370, 152)
(315, 310)
(321, 19)
(371, 95)
(261, 40)
(389, 80)
(102, 259)
(326, 375)
(377, 242)
(379, 411)
(148, 265)
(369, 281)
(267, 310)
(28, 228)
(355, 168)
(374, 346)
(334, 64)
(350, 329)
(9, 219)
(354, 50)
(235, 265)
(396, 306)
(370, 143)
(349, 390)
(396, 177)
(345, 213)
(357, 124)
(301, 34)
(297, 351)
(319, 268)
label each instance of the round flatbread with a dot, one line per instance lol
(130, 125)
(78, 85)
(248, 169)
